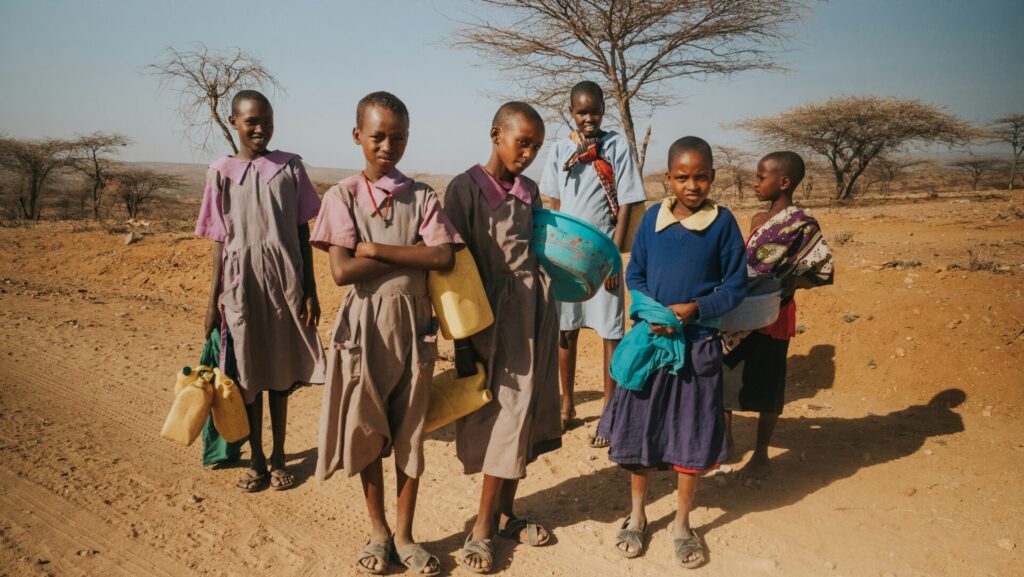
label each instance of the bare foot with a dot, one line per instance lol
(759, 467)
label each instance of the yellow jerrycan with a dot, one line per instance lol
(459, 300)
(192, 402)
(229, 416)
(452, 397)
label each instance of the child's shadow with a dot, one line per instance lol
(302, 465)
(807, 374)
(821, 451)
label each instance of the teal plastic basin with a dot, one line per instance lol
(576, 255)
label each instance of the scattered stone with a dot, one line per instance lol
(195, 499)
(42, 561)
(987, 411)
(1006, 544)
(849, 318)
(830, 565)
(928, 452)
(900, 353)
(910, 491)
(871, 364)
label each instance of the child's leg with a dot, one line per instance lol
(729, 443)
(484, 526)
(597, 441)
(689, 549)
(567, 344)
(372, 478)
(638, 510)
(407, 491)
(760, 466)
(280, 478)
(255, 476)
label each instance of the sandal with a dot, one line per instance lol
(380, 552)
(598, 442)
(252, 480)
(632, 539)
(570, 422)
(281, 479)
(482, 549)
(690, 546)
(513, 530)
(416, 558)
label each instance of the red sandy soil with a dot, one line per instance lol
(869, 479)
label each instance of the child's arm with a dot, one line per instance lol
(732, 263)
(619, 238)
(310, 312)
(348, 269)
(636, 270)
(440, 257)
(212, 308)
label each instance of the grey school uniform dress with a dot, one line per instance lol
(384, 340)
(520, 348)
(255, 208)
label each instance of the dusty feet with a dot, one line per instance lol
(252, 480)
(522, 531)
(598, 442)
(688, 548)
(373, 559)
(630, 540)
(415, 557)
(759, 467)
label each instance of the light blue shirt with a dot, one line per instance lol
(580, 191)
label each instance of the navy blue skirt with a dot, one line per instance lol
(676, 421)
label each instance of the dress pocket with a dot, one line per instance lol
(706, 356)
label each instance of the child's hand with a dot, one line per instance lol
(661, 330)
(612, 282)
(310, 313)
(366, 250)
(684, 311)
(212, 320)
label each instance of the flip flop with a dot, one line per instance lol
(631, 538)
(416, 558)
(252, 481)
(513, 530)
(482, 548)
(692, 545)
(380, 552)
(598, 442)
(283, 479)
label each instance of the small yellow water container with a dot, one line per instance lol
(192, 402)
(459, 300)
(452, 398)
(229, 416)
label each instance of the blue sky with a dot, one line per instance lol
(68, 67)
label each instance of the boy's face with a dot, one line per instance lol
(383, 135)
(517, 142)
(689, 177)
(587, 112)
(254, 122)
(769, 183)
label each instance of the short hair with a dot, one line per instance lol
(385, 100)
(512, 109)
(690, 144)
(248, 95)
(587, 87)
(790, 165)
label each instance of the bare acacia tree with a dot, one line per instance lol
(977, 167)
(851, 132)
(1010, 129)
(637, 47)
(205, 82)
(886, 170)
(33, 163)
(137, 186)
(91, 159)
(735, 162)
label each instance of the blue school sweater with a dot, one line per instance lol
(678, 265)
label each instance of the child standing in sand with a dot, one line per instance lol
(383, 232)
(492, 206)
(786, 245)
(591, 175)
(256, 208)
(685, 271)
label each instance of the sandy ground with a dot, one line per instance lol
(870, 479)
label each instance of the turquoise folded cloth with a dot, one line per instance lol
(642, 352)
(215, 448)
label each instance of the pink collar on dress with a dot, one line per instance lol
(391, 184)
(267, 166)
(496, 192)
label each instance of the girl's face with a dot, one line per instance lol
(254, 122)
(689, 177)
(587, 112)
(383, 135)
(768, 183)
(517, 142)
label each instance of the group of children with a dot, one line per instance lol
(384, 231)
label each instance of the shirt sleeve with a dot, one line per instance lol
(210, 224)
(551, 177)
(456, 206)
(629, 184)
(334, 224)
(733, 264)
(435, 228)
(309, 202)
(636, 270)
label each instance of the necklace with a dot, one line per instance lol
(387, 204)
